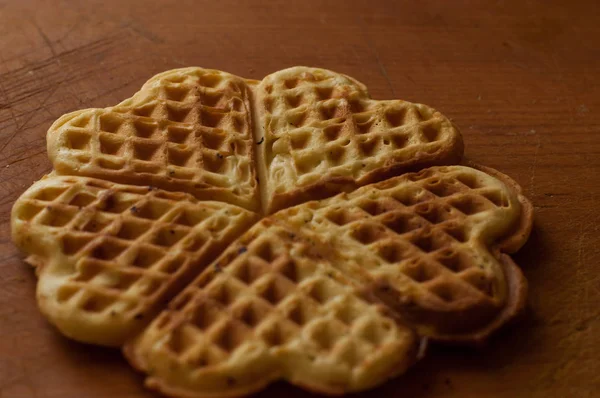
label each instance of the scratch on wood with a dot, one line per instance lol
(143, 32)
(377, 59)
(545, 206)
(533, 167)
(90, 100)
(10, 257)
(384, 72)
(580, 270)
(38, 78)
(55, 56)
(6, 99)
(46, 39)
(94, 48)
(356, 56)
(78, 22)
(22, 127)
(26, 157)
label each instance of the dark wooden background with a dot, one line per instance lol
(520, 78)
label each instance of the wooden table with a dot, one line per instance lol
(521, 80)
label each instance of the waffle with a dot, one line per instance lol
(272, 307)
(110, 256)
(145, 235)
(321, 134)
(186, 130)
(327, 294)
(429, 244)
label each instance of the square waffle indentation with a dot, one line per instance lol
(174, 265)
(428, 242)
(97, 223)
(110, 145)
(146, 256)
(211, 118)
(180, 157)
(454, 260)
(275, 290)
(144, 129)
(325, 333)
(178, 113)
(393, 252)
(419, 270)
(28, 211)
(470, 205)
(110, 123)
(72, 243)
(251, 313)
(49, 194)
(82, 199)
(176, 93)
(210, 80)
(131, 229)
(168, 236)
(145, 150)
(108, 249)
(249, 271)
(179, 134)
(78, 140)
(210, 99)
(110, 163)
(152, 209)
(58, 217)
(301, 312)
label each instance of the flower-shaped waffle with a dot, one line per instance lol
(335, 295)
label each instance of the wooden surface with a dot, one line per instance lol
(521, 79)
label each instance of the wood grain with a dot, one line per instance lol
(519, 78)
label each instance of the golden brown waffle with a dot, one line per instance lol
(272, 307)
(300, 296)
(321, 134)
(186, 130)
(334, 295)
(429, 243)
(110, 256)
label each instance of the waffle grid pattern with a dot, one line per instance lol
(419, 234)
(294, 311)
(126, 246)
(192, 133)
(305, 285)
(320, 123)
(333, 295)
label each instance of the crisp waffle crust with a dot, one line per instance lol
(148, 233)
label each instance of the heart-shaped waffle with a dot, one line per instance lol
(322, 133)
(272, 307)
(428, 243)
(186, 130)
(109, 256)
(325, 294)
(335, 295)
